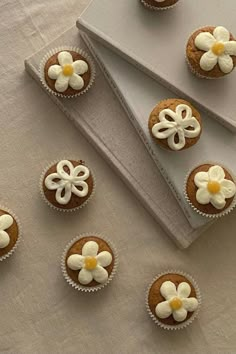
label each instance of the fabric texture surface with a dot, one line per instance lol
(40, 313)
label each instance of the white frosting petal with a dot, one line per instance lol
(49, 181)
(78, 191)
(85, 276)
(61, 169)
(221, 34)
(208, 61)
(181, 140)
(90, 248)
(62, 82)
(170, 129)
(6, 221)
(64, 58)
(201, 179)
(163, 309)
(80, 67)
(104, 258)
(203, 196)
(180, 315)
(167, 112)
(228, 188)
(216, 173)
(191, 122)
(54, 71)
(226, 63)
(75, 261)
(168, 290)
(204, 41)
(230, 48)
(63, 194)
(183, 290)
(218, 200)
(76, 82)
(190, 304)
(81, 170)
(4, 239)
(100, 274)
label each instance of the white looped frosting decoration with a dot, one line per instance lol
(213, 187)
(219, 49)
(177, 301)
(68, 72)
(90, 264)
(166, 129)
(68, 182)
(5, 222)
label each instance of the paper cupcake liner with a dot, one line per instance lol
(7, 255)
(155, 8)
(80, 287)
(50, 53)
(61, 209)
(181, 325)
(210, 216)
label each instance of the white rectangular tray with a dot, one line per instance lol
(97, 115)
(138, 93)
(155, 41)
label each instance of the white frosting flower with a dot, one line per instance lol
(166, 129)
(68, 72)
(178, 303)
(213, 187)
(90, 264)
(5, 222)
(218, 48)
(67, 183)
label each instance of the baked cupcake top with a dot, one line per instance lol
(161, 4)
(175, 124)
(67, 72)
(172, 299)
(9, 232)
(212, 51)
(68, 184)
(210, 188)
(89, 261)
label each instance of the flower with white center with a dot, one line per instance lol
(68, 72)
(177, 301)
(67, 183)
(6, 221)
(213, 187)
(178, 126)
(219, 49)
(90, 264)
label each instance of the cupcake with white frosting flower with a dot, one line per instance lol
(173, 300)
(67, 72)
(89, 262)
(175, 124)
(9, 233)
(211, 52)
(211, 190)
(159, 4)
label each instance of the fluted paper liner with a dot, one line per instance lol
(7, 255)
(85, 288)
(62, 209)
(186, 323)
(155, 8)
(210, 216)
(50, 53)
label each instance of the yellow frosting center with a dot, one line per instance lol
(68, 70)
(218, 48)
(176, 303)
(90, 263)
(213, 187)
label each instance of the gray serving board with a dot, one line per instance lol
(97, 115)
(155, 42)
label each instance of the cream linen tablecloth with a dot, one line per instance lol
(39, 312)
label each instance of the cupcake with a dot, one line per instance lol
(211, 52)
(67, 185)
(175, 124)
(210, 190)
(67, 73)
(173, 300)
(89, 263)
(159, 4)
(9, 233)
